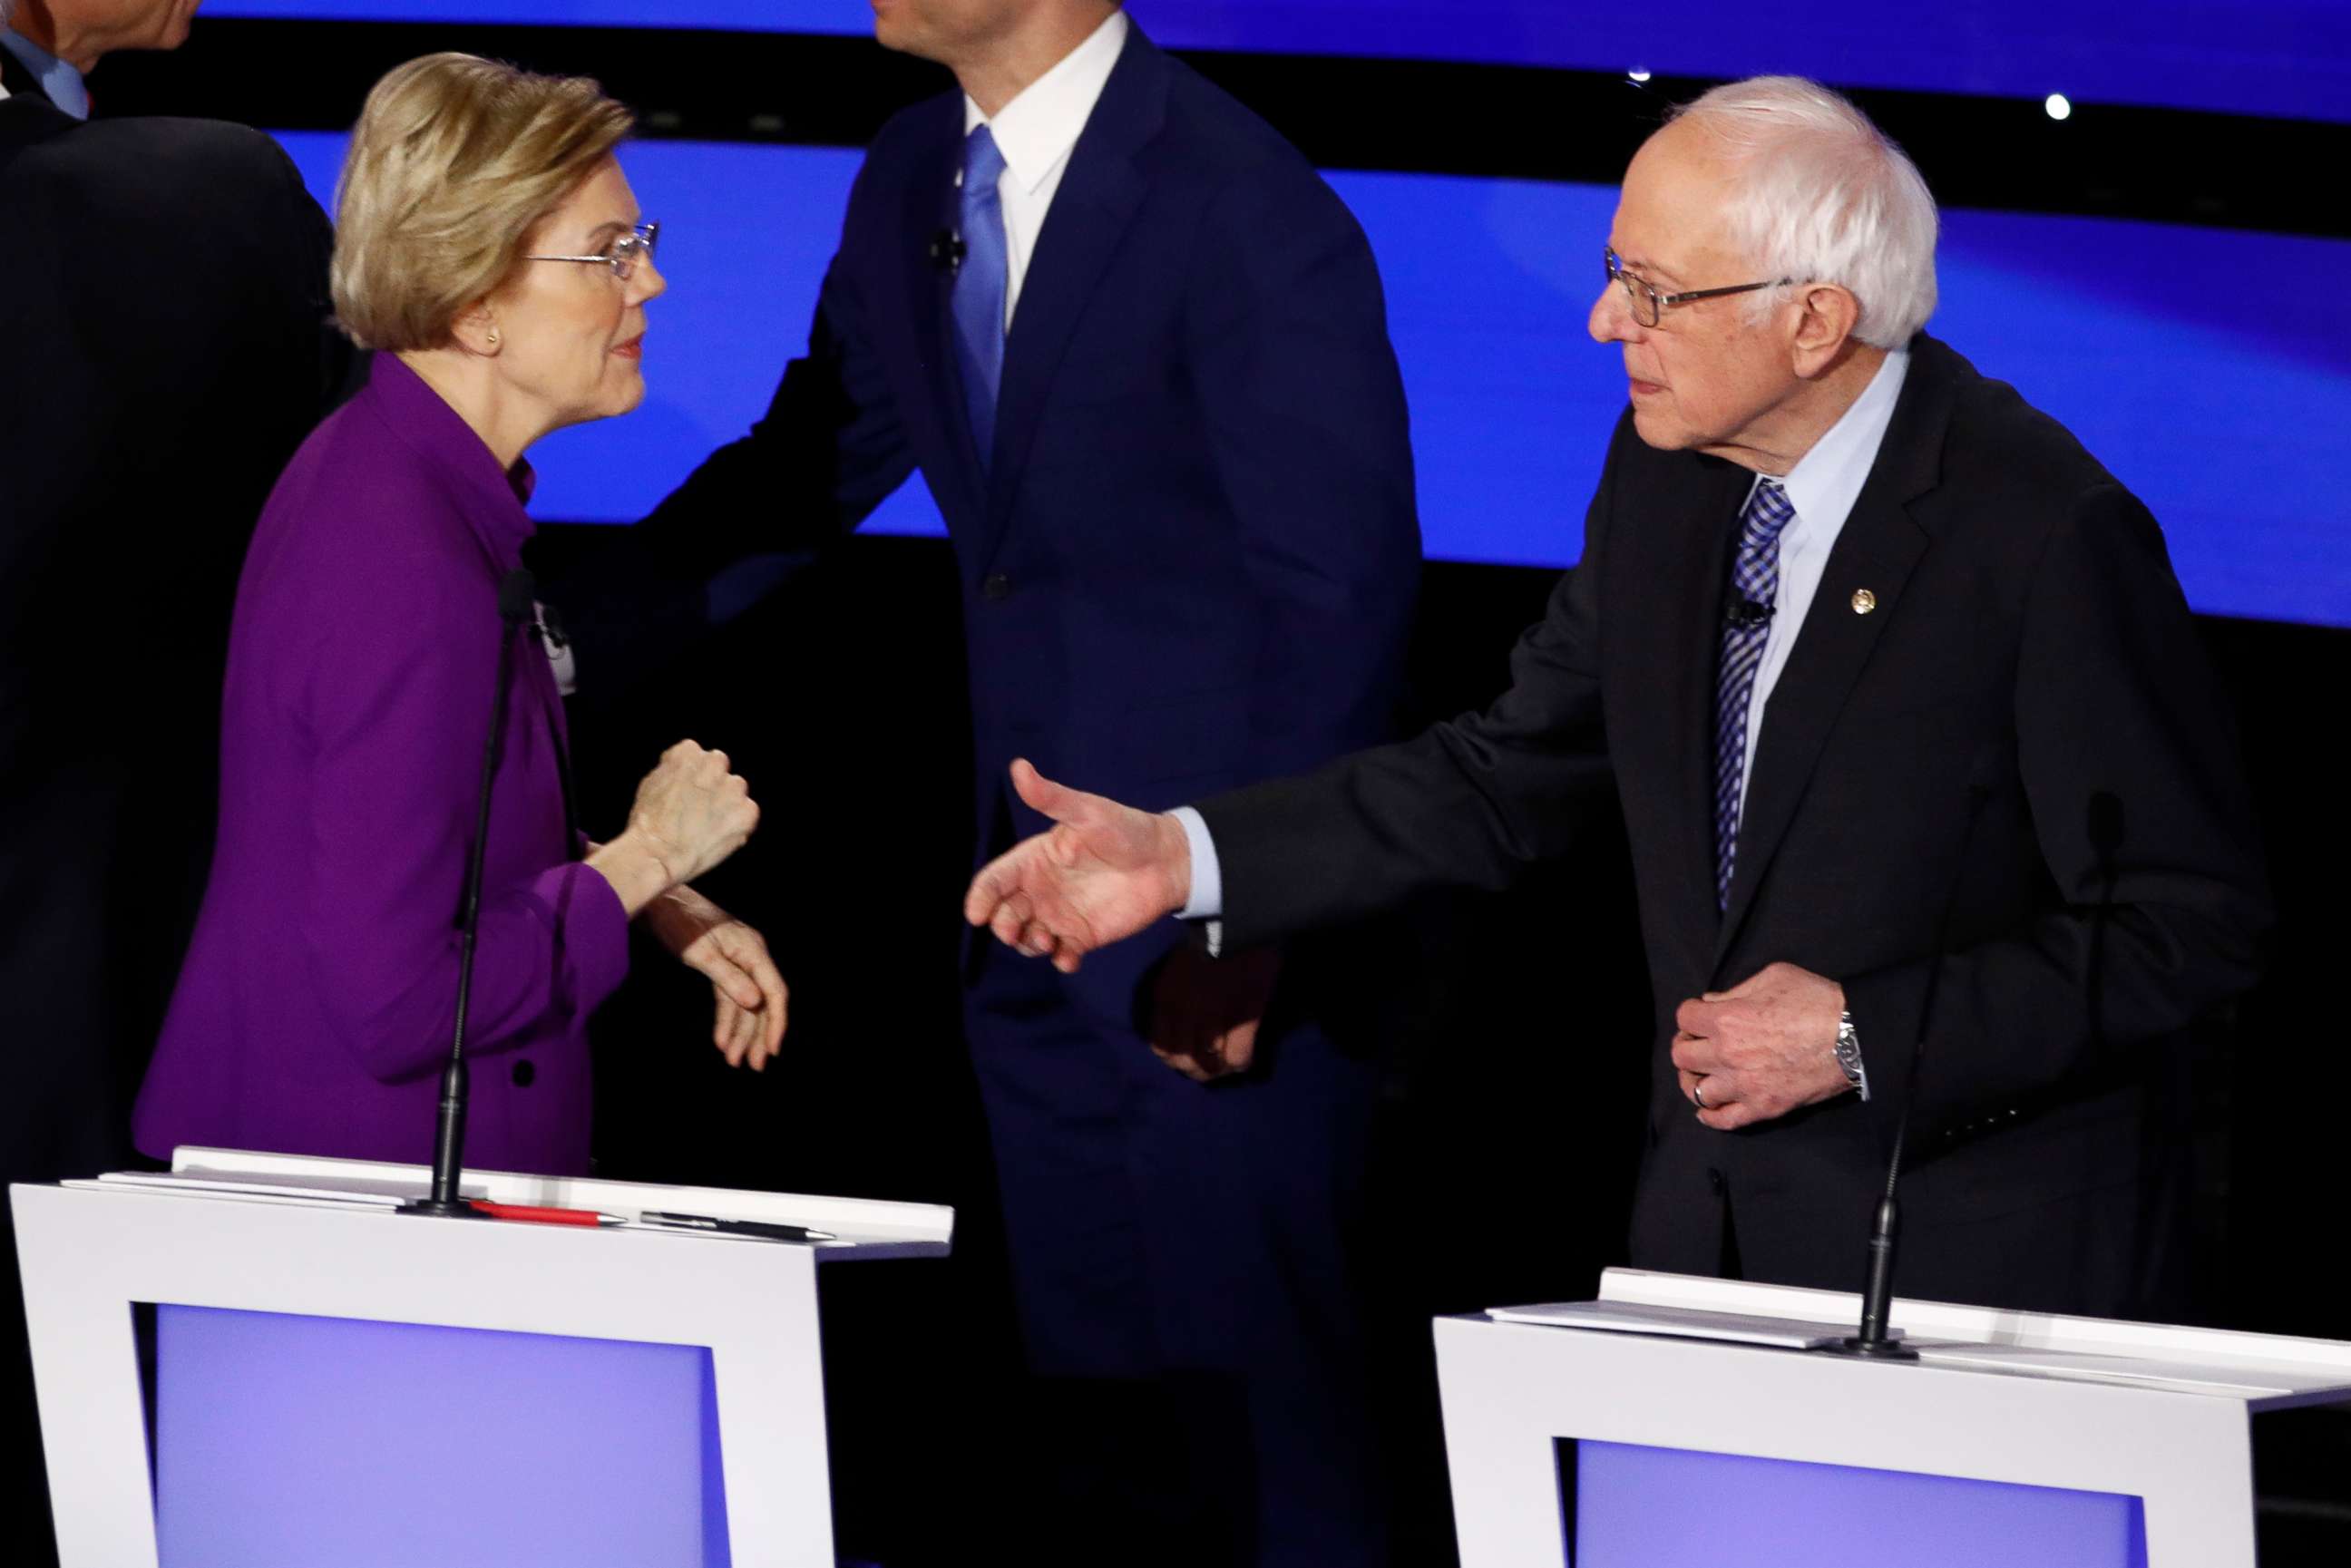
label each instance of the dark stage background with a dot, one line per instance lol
(1513, 1105)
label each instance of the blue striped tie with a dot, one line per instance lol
(979, 286)
(1754, 578)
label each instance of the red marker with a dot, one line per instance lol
(537, 1215)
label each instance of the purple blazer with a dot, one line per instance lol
(314, 1012)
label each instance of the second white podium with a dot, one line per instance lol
(2016, 1437)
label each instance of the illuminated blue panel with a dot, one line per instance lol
(289, 1442)
(2210, 371)
(2283, 56)
(1670, 1508)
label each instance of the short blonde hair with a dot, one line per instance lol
(454, 163)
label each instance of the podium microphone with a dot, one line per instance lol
(516, 591)
(1873, 1343)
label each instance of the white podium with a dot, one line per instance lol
(744, 1310)
(2046, 1440)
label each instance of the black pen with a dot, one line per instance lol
(765, 1229)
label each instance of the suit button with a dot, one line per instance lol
(1714, 1180)
(523, 1074)
(994, 586)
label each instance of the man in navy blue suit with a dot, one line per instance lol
(1138, 350)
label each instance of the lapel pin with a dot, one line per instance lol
(1864, 601)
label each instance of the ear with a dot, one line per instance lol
(476, 330)
(1826, 315)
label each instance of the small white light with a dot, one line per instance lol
(1637, 76)
(2058, 106)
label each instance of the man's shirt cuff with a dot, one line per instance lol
(1207, 900)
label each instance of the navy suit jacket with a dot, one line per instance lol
(169, 345)
(1191, 559)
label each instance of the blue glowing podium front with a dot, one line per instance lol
(253, 1362)
(1661, 1426)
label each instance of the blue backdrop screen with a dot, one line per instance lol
(2280, 56)
(2210, 371)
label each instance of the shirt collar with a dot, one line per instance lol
(1036, 130)
(1827, 480)
(61, 81)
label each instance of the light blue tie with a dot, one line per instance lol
(1755, 582)
(979, 286)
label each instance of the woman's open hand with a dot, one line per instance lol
(752, 997)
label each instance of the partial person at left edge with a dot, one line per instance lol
(51, 46)
(168, 346)
(169, 343)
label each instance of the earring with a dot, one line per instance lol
(494, 337)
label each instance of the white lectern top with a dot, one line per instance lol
(862, 1227)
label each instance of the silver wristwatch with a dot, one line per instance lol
(1848, 1055)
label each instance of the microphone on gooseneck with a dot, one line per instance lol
(947, 250)
(515, 594)
(1874, 1341)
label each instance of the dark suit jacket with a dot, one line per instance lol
(1191, 561)
(2029, 640)
(166, 320)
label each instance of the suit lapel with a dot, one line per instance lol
(1874, 553)
(930, 213)
(1100, 194)
(1693, 621)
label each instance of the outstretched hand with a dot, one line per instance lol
(1103, 874)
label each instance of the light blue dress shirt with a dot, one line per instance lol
(1822, 487)
(61, 83)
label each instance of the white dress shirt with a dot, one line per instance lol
(1035, 133)
(1822, 486)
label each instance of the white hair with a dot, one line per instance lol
(8, 9)
(1824, 196)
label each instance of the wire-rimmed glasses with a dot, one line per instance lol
(623, 254)
(1649, 305)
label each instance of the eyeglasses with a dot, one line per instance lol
(623, 254)
(1649, 305)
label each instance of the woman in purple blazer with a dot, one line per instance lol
(491, 252)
